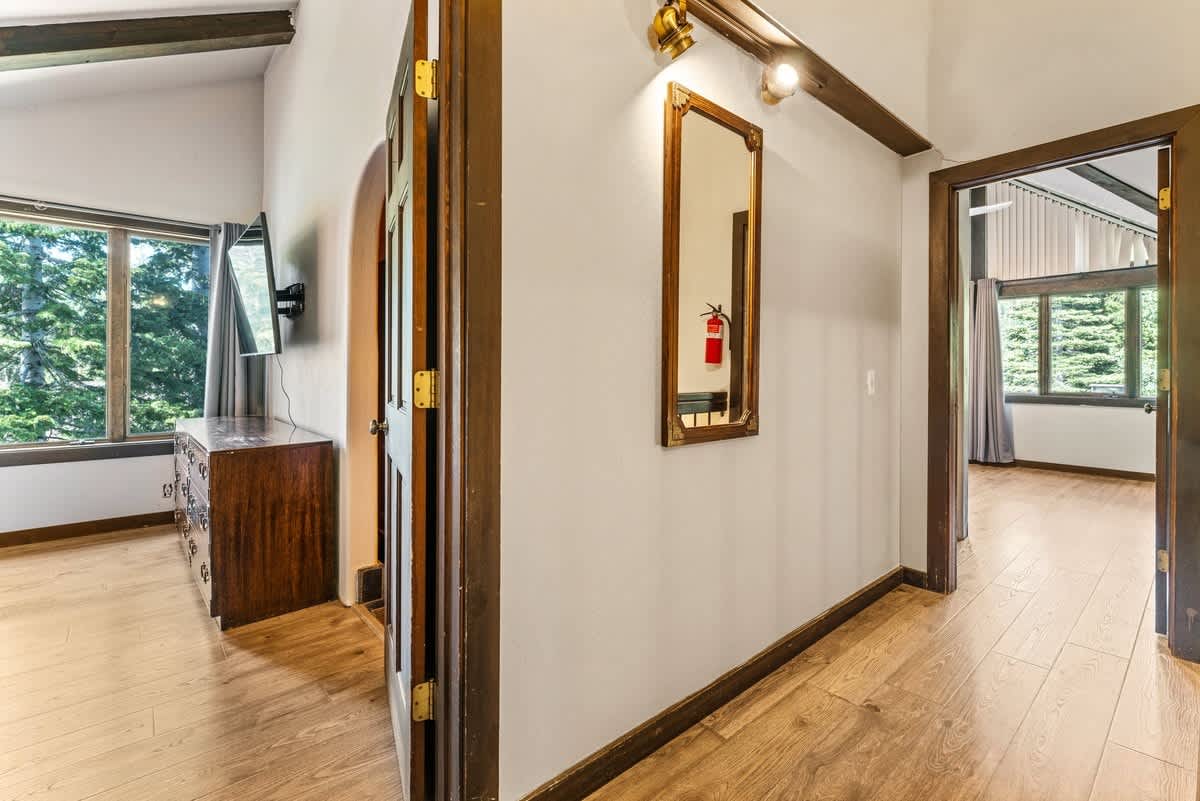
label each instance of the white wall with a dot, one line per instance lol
(1014, 74)
(885, 51)
(77, 492)
(633, 575)
(191, 154)
(1116, 438)
(326, 102)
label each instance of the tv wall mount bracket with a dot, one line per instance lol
(289, 301)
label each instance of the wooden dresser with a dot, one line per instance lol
(254, 509)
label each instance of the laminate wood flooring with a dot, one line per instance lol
(116, 686)
(1041, 678)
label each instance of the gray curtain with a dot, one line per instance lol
(991, 429)
(234, 386)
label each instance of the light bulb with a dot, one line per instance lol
(780, 81)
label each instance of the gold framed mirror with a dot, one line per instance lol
(712, 196)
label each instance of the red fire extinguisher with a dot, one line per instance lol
(714, 340)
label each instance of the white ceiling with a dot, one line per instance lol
(56, 84)
(1138, 168)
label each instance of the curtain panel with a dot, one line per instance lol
(234, 385)
(991, 429)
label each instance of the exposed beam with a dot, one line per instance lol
(25, 47)
(759, 34)
(1111, 183)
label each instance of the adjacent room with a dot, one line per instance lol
(1063, 381)
(664, 400)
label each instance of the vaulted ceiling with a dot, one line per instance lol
(56, 84)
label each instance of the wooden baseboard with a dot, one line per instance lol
(31, 536)
(612, 760)
(915, 578)
(1074, 468)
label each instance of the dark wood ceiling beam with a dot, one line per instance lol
(1122, 189)
(25, 47)
(759, 34)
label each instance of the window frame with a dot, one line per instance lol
(118, 442)
(1130, 280)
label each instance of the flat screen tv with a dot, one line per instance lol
(254, 284)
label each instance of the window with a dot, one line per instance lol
(1148, 345)
(69, 371)
(1019, 335)
(168, 341)
(1087, 343)
(53, 338)
(1089, 337)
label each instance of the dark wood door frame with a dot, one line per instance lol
(468, 326)
(1181, 130)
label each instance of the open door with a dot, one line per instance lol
(1162, 406)
(409, 460)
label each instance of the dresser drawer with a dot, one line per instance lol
(200, 557)
(199, 468)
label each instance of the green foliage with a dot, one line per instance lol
(1087, 342)
(169, 325)
(53, 321)
(1019, 337)
(1149, 343)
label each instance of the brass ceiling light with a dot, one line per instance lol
(779, 82)
(672, 30)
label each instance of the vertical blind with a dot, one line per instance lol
(1040, 235)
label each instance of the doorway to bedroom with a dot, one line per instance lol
(1061, 280)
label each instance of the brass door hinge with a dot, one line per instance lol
(1164, 560)
(422, 700)
(1164, 199)
(1164, 380)
(425, 389)
(425, 78)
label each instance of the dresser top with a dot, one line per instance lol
(216, 434)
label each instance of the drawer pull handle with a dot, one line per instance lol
(204, 572)
(192, 547)
(168, 490)
(203, 470)
(204, 519)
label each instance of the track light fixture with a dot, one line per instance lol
(671, 29)
(780, 81)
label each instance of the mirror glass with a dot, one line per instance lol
(716, 175)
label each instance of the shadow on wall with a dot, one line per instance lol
(301, 261)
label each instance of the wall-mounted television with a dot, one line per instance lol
(254, 283)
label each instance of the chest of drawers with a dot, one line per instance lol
(254, 511)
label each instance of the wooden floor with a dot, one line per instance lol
(1041, 678)
(115, 686)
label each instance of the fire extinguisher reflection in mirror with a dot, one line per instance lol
(715, 337)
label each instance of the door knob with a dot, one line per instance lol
(376, 428)
(1149, 407)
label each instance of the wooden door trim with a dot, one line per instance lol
(468, 704)
(1162, 438)
(1181, 129)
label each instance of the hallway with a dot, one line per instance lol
(1041, 678)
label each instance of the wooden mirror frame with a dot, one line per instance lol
(680, 101)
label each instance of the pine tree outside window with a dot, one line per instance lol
(103, 327)
(1085, 338)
